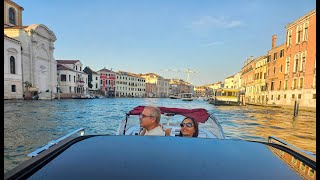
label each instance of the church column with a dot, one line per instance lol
(51, 67)
(33, 44)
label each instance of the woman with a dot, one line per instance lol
(189, 128)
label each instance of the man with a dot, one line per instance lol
(150, 121)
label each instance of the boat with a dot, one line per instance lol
(225, 97)
(175, 96)
(186, 97)
(128, 155)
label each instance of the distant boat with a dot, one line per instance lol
(175, 96)
(187, 97)
(225, 97)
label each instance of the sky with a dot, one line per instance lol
(210, 38)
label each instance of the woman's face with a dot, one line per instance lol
(185, 129)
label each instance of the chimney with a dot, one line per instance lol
(274, 40)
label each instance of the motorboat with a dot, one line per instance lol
(127, 155)
(175, 96)
(225, 97)
(186, 97)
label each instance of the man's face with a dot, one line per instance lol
(146, 119)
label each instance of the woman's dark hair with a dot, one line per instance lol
(196, 128)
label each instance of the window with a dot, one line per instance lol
(100, 81)
(275, 56)
(314, 96)
(296, 59)
(12, 16)
(294, 84)
(271, 97)
(285, 96)
(287, 65)
(289, 35)
(96, 78)
(298, 34)
(12, 65)
(96, 85)
(286, 85)
(76, 67)
(80, 68)
(301, 83)
(69, 78)
(274, 70)
(63, 77)
(299, 96)
(279, 85)
(279, 97)
(13, 88)
(303, 61)
(74, 78)
(305, 31)
(281, 53)
(292, 95)
(281, 68)
(272, 86)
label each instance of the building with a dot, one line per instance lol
(300, 65)
(228, 82)
(95, 81)
(130, 85)
(13, 86)
(247, 79)
(260, 75)
(107, 82)
(275, 72)
(237, 81)
(71, 78)
(39, 68)
(156, 86)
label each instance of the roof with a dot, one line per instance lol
(63, 67)
(106, 70)
(15, 27)
(15, 40)
(67, 61)
(15, 4)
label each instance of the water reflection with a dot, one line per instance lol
(29, 125)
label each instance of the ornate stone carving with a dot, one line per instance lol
(43, 69)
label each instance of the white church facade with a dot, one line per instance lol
(38, 65)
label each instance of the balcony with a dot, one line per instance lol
(80, 83)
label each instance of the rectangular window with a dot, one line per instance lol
(274, 70)
(74, 78)
(281, 53)
(275, 55)
(301, 83)
(296, 60)
(285, 96)
(69, 78)
(271, 97)
(305, 31)
(303, 62)
(281, 68)
(292, 95)
(294, 84)
(314, 96)
(13, 88)
(272, 86)
(289, 34)
(279, 97)
(299, 96)
(285, 84)
(287, 65)
(279, 85)
(63, 77)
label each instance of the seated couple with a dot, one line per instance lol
(150, 121)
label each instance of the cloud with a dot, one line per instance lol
(215, 22)
(214, 43)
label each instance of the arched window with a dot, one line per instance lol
(12, 16)
(12, 65)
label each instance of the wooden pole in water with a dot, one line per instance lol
(296, 108)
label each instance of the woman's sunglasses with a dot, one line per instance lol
(186, 124)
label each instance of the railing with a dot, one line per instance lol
(51, 143)
(270, 138)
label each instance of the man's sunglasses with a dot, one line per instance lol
(143, 116)
(186, 124)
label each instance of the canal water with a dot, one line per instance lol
(29, 125)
